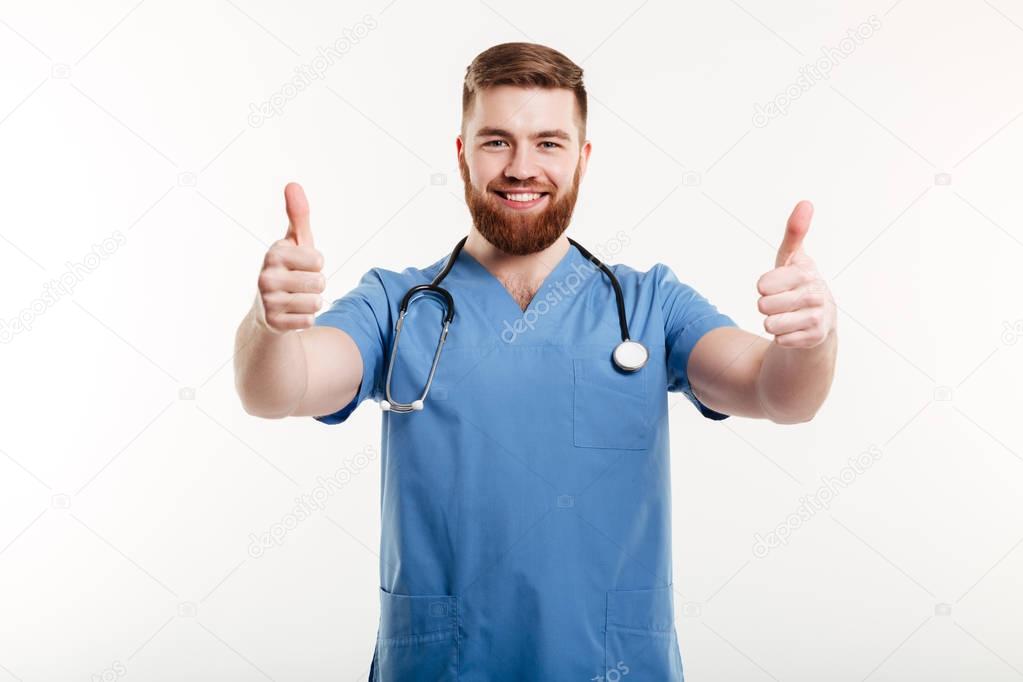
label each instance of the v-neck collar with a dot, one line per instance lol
(492, 282)
(496, 301)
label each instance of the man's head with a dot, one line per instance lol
(523, 133)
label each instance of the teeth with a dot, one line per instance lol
(523, 197)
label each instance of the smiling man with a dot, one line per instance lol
(526, 526)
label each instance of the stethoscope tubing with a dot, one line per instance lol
(390, 405)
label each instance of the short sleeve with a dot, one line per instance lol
(362, 313)
(687, 317)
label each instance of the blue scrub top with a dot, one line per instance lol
(526, 511)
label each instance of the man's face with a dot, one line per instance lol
(520, 142)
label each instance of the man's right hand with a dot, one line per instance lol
(278, 374)
(291, 280)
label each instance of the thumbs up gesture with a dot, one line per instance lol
(290, 282)
(799, 307)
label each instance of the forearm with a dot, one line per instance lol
(794, 382)
(270, 368)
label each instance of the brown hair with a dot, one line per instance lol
(525, 65)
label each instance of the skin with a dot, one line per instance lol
(519, 160)
(281, 371)
(788, 378)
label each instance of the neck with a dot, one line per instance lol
(522, 270)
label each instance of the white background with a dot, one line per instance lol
(131, 478)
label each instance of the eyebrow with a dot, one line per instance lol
(500, 132)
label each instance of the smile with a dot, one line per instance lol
(521, 200)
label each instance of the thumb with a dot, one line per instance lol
(795, 230)
(298, 215)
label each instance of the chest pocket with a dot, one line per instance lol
(611, 407)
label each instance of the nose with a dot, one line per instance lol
(522, 165)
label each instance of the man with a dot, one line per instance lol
(526, 505)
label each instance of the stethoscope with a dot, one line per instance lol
(628, 355)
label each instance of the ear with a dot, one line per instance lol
(584, 158)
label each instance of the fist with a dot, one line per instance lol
(291, 280)
(798, 304)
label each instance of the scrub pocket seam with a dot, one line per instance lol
(643, 631)
(424, 638)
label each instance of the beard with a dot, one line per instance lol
(519, 233)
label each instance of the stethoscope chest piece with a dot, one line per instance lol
(630, 355)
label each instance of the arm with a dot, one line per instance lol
(309, 373)
(280, 370)
(742, 374)
(785, 380)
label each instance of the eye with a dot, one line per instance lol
(485, 144)
(549, 142)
